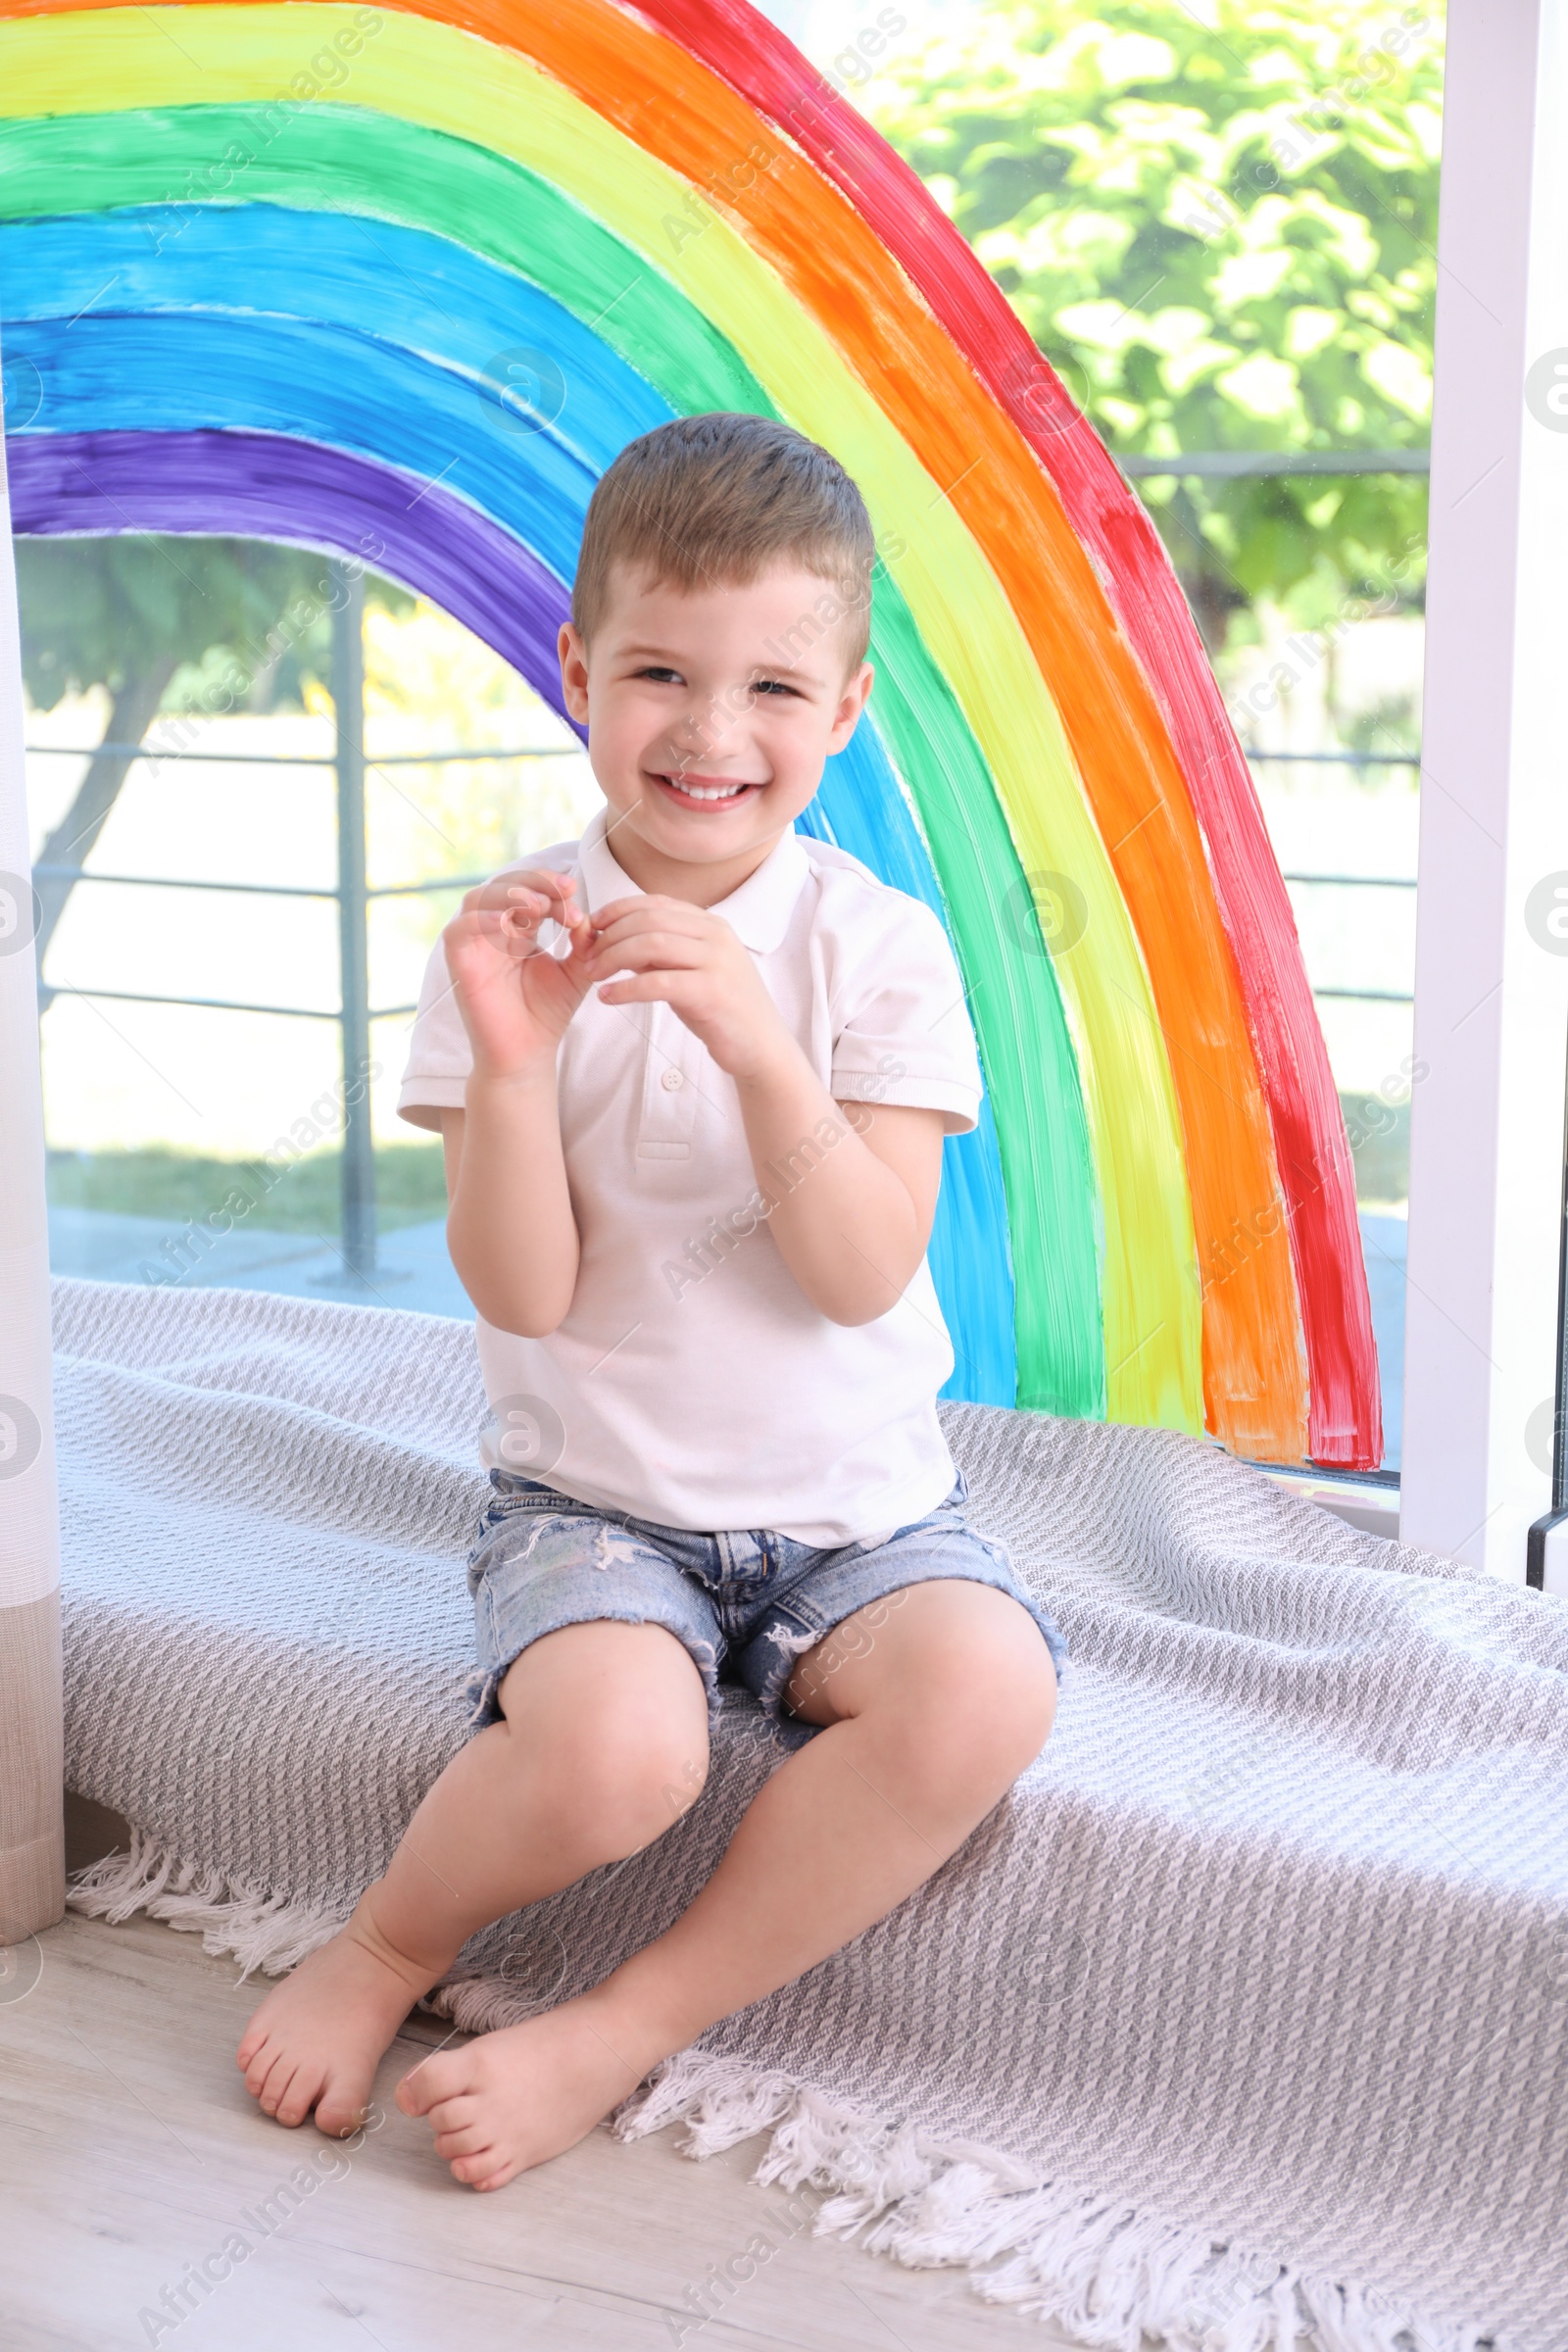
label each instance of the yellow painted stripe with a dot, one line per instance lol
(108, 61)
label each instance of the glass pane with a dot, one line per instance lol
(1220, 227)
(1342, 806)
(199, 1145)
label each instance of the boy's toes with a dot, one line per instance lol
(411, 2095)
(270, 2078)
(264, 2065)
(508, 2172)
(338, 2113)
(483, 2171)
(270, 2099)
(288, 2101)
(432, 2082)
(455, 2114)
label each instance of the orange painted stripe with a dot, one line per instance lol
(676, 110)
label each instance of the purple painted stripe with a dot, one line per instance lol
(263, 486)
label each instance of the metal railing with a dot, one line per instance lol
(351, 894)
(1355, 995)
(1238, 464)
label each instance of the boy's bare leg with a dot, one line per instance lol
(935, 1700)
(605, 1741)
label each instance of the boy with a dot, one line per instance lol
(692, 1076)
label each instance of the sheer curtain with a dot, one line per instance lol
(31, 1831)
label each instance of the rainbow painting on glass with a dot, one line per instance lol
(400, 282)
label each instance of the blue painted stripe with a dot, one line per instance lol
(128, 336)
(973, 1281)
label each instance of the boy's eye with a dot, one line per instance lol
(662, 674)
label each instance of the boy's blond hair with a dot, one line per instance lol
(717, 500)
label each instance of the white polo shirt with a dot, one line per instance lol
(692, 1383)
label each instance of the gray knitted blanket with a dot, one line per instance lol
(1245, 2013)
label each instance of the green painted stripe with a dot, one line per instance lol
(346, 159)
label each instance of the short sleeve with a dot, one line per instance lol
(901, 1031)
(436, 1075)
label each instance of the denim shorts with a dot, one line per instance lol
(748, 1604)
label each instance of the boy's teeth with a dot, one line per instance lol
(709, 792)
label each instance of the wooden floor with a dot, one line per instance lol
(129, 2152)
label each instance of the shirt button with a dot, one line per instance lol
(672, 1081)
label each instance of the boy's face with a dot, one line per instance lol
(709, 715)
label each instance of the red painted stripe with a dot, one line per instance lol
(1314, 1159)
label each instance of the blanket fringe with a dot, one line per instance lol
(481, 2004)
(1101, 2270)
(269, 1932)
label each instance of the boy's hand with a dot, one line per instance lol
(516, 997)
(689, 959)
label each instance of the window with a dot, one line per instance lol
(203, 1030)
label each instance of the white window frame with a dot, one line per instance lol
(1491, 998)
(29, 1524)
(1492, 1003)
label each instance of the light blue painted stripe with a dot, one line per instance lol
(459, 430)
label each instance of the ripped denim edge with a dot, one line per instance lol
(481, 1691)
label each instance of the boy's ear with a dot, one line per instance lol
(573, 658)
(851, 702)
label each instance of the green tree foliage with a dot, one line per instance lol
(209, 625)
(111, 612)
(1219, 220)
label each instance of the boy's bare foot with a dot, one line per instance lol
(514, 2099)
(316, 2040)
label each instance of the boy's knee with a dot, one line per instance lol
(640, 1783)
(636, 1777)
(981, 1700)
(1005, 1684)
(1025, 1700)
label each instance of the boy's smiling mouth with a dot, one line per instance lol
(704, 792)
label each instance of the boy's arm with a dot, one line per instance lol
(510, 1223)
(853, 1192)
(502, 1157)
(855, 1188)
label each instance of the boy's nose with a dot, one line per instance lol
(702, 726)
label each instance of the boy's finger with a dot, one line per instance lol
(651, 950)
(554, 889)
(480, 921)
(645, 905)
(666, 921)
(645, 988)
(612, 908)
(544, 890)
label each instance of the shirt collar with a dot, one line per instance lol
(758, 912)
